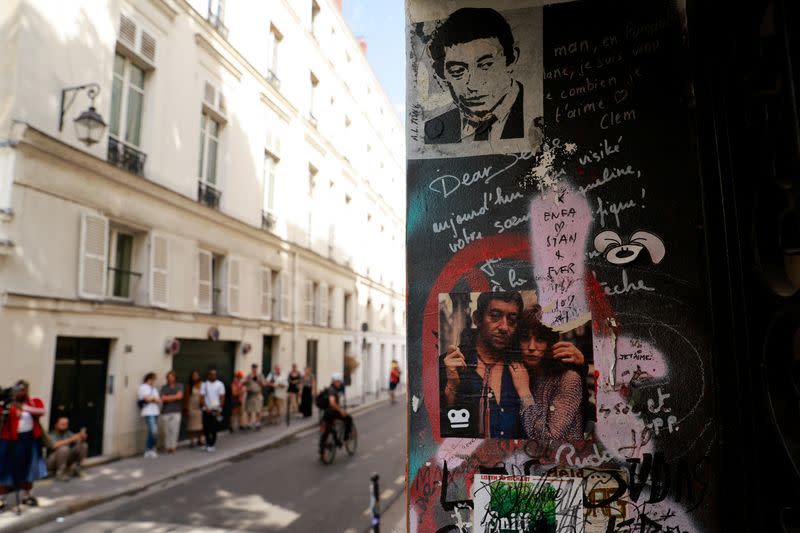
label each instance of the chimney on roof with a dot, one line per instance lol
(362, 43)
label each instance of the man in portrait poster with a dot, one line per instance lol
(474, 54)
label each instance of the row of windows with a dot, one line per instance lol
(125, 141)
(114, 258)
(274, 52)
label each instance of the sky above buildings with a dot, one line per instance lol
(381, 23)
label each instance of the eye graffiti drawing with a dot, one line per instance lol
(617, 251)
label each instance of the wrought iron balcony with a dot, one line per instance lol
(215, 20)
(268, 220)
(208, 195)
(123, 282)
(216, 301)
(125, 157)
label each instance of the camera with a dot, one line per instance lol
(6, 398)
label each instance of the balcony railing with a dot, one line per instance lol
(124, 283)
(125, 157)
(216, 301)
(273, 79)
(208, 195)
(215, 20)
(268, 220)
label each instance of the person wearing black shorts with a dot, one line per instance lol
(293, 390)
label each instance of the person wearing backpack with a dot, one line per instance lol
(329, 402)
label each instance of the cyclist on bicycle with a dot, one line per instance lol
(334, 410)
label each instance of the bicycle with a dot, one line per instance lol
(329, 441)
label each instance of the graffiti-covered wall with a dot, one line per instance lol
(559, 364)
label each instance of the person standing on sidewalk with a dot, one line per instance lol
(172, 400)
(237, 399)
(394, 379)
(279, 385)
(150, 405)
(293, 390)
(193, 410)
(254, 402)
(68, 450)
(21, 461)
(309, 392)
(212, 400)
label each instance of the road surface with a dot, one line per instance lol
(280, 489)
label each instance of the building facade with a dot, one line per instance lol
(244, 204)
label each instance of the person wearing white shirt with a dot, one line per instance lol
(150, 406)
(279, 385)
(212, 400)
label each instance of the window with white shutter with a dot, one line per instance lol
(205, 285)
(286, 297)
(159, 260)
(93, 259)
(308, 301)
(323, 305)
(266, 293)
(233, 286)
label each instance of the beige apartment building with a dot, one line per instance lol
(244, 204)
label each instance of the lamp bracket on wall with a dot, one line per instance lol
(92, 90)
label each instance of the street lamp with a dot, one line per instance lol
(89, 126)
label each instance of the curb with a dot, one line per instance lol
(29, 521)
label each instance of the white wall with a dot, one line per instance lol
(50, 179)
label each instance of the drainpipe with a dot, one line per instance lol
(295, 285)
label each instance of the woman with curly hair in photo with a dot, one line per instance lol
(550, 393)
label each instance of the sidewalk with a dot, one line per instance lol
(393, 519)
(109, 481)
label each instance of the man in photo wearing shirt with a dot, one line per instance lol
(474, 54)
(212, 400)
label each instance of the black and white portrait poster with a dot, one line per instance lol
(477, 86)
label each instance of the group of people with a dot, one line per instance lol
(202, 402)
(513, 375)
(28, 452)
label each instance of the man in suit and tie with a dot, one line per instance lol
(474, 54)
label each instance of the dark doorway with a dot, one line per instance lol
(79, 386)
(266, 354)
(349, 363)
(269, 346)
(311, 355)
(201, 355)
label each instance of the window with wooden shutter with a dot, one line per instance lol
(205, 285)
(159, 261)
(93, 267)
(127, 31)
(286, 297)
(266, 293)
(233, 286)
(323, 305)
(308, 301)
(148, 47)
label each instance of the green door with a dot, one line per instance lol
(201, 355)
(79, 386)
